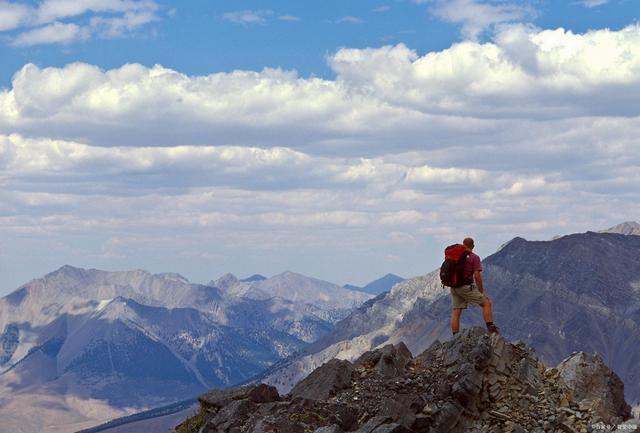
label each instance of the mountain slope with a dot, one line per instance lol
(90, 344)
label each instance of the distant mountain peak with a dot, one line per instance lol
(226, 281)
(376, 287)
(68, 270)
(625, 228)
(515, 241)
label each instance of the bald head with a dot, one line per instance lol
(468, 242)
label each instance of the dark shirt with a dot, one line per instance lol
(471, 265)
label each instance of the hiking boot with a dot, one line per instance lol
(493, 329)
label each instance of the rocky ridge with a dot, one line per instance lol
(475, 382)
(578, 293)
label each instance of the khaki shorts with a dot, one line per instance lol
(463, 295)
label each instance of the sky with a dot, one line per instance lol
(341, 140)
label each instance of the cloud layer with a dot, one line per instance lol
(48, 22)
(533, 134)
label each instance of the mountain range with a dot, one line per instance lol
(90, 345)
(80, 346)
(580, 292)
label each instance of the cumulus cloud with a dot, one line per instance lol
(45, 23)
(382, 94)
(477, 16)
(533, 133)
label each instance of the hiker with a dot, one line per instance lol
(461, 273)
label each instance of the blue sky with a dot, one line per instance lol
(197, 39)
(340, 139)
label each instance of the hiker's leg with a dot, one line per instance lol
(455, 319)
(487, 314)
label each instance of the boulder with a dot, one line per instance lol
(324, 381)
(388, 361)
(264, 394)
(217, 398)
(591, 382)
(233, 414)
(397, 411)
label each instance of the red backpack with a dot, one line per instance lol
(452, 269)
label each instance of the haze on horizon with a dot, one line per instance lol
(341, 141)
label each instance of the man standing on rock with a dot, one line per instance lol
(471, 293)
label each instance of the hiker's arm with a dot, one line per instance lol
(478, 278)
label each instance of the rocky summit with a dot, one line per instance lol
(475, 382)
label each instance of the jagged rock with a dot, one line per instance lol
(398, 412)
(233, 414)
(474, 383)
(333, 376)
(446, 417)
(264, 394)
(343, 415)
(467, 387)
(586, 376)
(217, 398)
(389, 361)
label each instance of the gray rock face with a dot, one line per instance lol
(586, 375)
(331, 377)
(390, 361)
(476, 382)
(264, 394)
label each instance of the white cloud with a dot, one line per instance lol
(402, 217)
(121, 26)
(45, 23)
(349, 19)
(248, 17)
(12, 15)
(52, 10)
(56, 33)
(476, 16)
(592, 3)
(426, 174)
